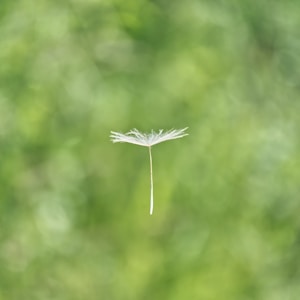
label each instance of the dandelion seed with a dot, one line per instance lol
(147, 140)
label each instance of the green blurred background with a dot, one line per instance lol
(74, 207)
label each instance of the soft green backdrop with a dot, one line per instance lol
(74, 208)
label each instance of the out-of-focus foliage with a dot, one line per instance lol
(74, 221)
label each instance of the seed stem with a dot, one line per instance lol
(151, 182)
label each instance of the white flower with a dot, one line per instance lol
(148, 140)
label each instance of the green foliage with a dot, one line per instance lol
(74, 220)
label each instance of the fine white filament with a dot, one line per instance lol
(148, 139)
(151, 183)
